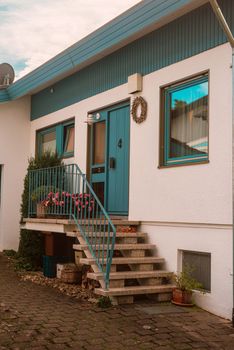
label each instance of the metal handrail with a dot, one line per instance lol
(64, 191)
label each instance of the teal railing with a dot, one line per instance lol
(64, 192)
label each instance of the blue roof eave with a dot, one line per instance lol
(137, 19)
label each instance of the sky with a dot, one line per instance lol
(190, 94)
(33, 31)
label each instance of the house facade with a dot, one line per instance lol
(172, 171)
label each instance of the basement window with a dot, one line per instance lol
(200, 264)
(184, 122)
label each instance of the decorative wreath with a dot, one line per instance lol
(139, 101)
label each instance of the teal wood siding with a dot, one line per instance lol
(189, 35)
(4, 96)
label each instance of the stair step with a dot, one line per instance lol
(130, 275)
(126, 261)
(167, 288)
(135, 246)
(104, 234)
(71, 234)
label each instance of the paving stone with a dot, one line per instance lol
(182, 346)
(199, 345)
(40, 318)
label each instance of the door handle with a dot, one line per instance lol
(112, 163)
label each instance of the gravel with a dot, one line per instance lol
(73, 290)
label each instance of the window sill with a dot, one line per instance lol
(67, 155)
(183, 164)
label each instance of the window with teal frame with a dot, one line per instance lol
(184, 124)
(68, 139)
(58, 138)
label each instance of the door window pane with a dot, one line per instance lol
(99, 189)
(48, 142)
(99, 142)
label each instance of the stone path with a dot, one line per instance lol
(37, 317)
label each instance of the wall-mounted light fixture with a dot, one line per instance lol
(92, 118)
(135, 83)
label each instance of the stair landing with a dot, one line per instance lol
(67, 225)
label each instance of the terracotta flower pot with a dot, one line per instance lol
(41, 211)
(182, 297)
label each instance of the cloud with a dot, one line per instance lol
(33, 31)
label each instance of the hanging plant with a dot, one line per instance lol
(139, 103)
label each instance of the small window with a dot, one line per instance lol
(200, 264)
(184, 124)
(69, 138)
(59, 138)
(48, 141)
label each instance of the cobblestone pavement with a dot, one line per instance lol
(38, 317)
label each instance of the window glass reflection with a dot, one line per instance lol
(189, 120)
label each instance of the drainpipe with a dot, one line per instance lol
(218, 12)
(233, 175)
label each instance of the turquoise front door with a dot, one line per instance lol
(110, 158)
(118, 160)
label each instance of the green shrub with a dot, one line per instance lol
(104, 302)
(45, 161)
(21, 264)
(30, 250)
(10, 252)
(31, 247)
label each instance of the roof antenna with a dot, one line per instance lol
(7, 75)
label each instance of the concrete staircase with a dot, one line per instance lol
(135, 269)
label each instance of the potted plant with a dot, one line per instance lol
(38, 196)
(52, 201)
(185, 284)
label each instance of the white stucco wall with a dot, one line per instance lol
(197, 193)
(188, 207)
(170, 239)
(14, 152)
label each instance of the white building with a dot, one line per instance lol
(174, 171)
